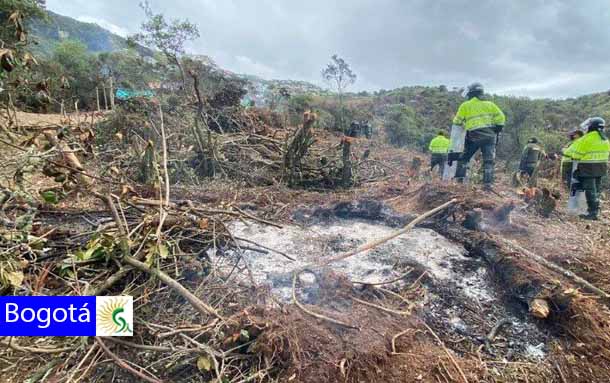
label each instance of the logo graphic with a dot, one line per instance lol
(114, 316)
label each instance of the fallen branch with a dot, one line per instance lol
(148, 347)
(442, 344)
(197, 303)
(494, 331)
(386, 282)
(36, 350)
(108, 283)
(395, 337)
(374, 244)
(566, 273)
(313, 314)
(265, 248)
(119, 362)
(391, 311)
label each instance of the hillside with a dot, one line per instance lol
(263, 92)
(55, 28)
(410, 115)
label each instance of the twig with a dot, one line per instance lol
(200, 329)
(119, 362)
(164, 201)
(80, 364)
(248, 215)
(395, 338)
(211, 352)
(373, 244)
(563, 378)
(164, 147)
(148, 347)
(266, 248)
(494, 331)
(455, 363)
(313, 314)
(384, 283)
(127, 258)
(418, 280)
(109, 282)
(197, 303)
(391, 311)
(36, 350)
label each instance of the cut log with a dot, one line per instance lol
(566, 273)
(539, 308)
(69, 158)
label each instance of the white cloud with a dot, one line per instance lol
(105, 24)
(557, 85)
(248, 65)
(533, 48)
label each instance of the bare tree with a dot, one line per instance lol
(339, 75)
(169, 37)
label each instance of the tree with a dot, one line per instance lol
(78, 67)
(339, 75)
(127, 68)
(14, 14)
(169, 37)
(402, 127)
(16, 60)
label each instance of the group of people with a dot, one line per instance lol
(584, 161)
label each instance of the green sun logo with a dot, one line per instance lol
(111, 317)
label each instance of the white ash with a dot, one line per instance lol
(423, 247)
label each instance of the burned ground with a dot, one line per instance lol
(478, 303)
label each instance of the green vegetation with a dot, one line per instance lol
(52, 30)
(411, 116)
(75, 58)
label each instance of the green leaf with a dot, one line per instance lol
(50, 196)
(163, 251)
(36, 242)
(204, 363)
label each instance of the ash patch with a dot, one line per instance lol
(464, 311)
(423, 248)
(368, 210)
(461, 301)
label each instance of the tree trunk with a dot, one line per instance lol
(105, 97)
(97, 98)
(148, 168)
(206, 166)
(346, 176)
(111, 93)
(298, 149)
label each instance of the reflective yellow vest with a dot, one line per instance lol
(590, 149)
(567, 153)
(477, 114)
(439, 145)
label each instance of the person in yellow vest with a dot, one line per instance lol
(566, 161)
(439, 147)
(483, 122)
(591, 153)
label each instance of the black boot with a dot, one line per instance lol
(590, 217)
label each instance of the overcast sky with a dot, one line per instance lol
(537, 48)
